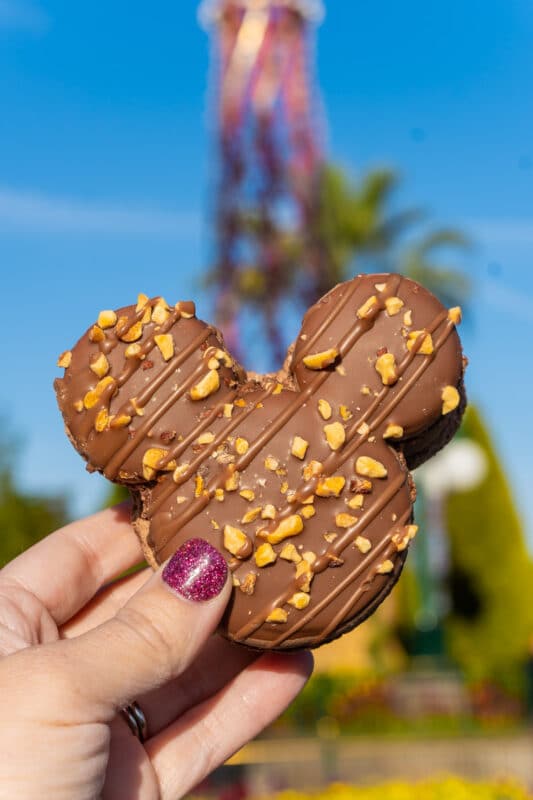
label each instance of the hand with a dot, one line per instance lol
(76, 646)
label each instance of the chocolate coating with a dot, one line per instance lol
(303, 485)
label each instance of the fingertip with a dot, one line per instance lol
(296, 662)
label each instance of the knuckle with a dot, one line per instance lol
(150, 639)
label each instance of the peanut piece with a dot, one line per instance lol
(241, 445)
(165, 343)
(268, 512)
(426, 348)
(450, 399)
(248, 494)
(307, 512)
(291, 526)
(363, 544)
(335, 435)
(206, 438)
(322, 359)
(368, 307)
(290, 553)
(133, 333)
(251, 515)
(236, 541)
(96, 334)
(271, 463)
(299, 600)
(248, 584)
(264, 555)
(151, 459)
(106, 319)
(232, 483)
(344, 520)
(209, 384)
(356, 501)
(311, 469)
(393, 431)
(101, 421)
(385, 567)
(393, 305)
(386, 366)
(100, 365)
(277, 615)
(299, 447)
(370, 467)
(455, 315)
(324, 409)
(65, 359)
(330, 487)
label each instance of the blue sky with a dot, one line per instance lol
(104, 179)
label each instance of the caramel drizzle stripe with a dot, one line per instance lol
(167, 492)
(113, 465)
(326, 323)
(344, 346)
(321, 564)
(348, 606)
(200, 502)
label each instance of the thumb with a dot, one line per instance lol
(158, 633)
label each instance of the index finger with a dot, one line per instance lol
(66, 569)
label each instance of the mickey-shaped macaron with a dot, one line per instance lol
(302, 479)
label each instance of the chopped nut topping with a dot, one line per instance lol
(271, 463)
(206, 386)
(344, 520)
(198, 486)
(340, 370)
(248, 584)
(455, 315)
(307, 512)
(309, 556)
(393, 305)
(236, 541)
(93, 395)
(380, 286)
(206, 438)
(311, 469)
(241, 445)
(284, 488)
(402, 538)
(277, 615)
(133, 350)
(265, 555)
(251, 515)
(426, 348)
(133, 333)
(370, 467)
(119, 421)
(363, 429)
(78, 405)
(106, 319)
(385, 567)
(96, 334)
(213, 363)
(368, 307)
(240, 402)
(290, 553)
(102, 418)
(215, 524)
(393, 431)
(100, 365)
(335, 435)
(330, 536)
(228, 410)
(142, 300)
(219, 495)
(248, 494)
(232, 483)
(356, 501)
(308, 500)
(362, 485)
(235, 581)
(330, 487)
(363, 544)
(268, 512)
(160, 312)
(450, 399)
(139, 410)
(345, 413)
(299, 447)
(299, 600)
(179, 472)
(65, 359)
(324, 409)
(291, 526)
(321, 360)
(278, 388)
(151, 459)
(366, 390)
(386, 366)
(165, 343)
(408, 318)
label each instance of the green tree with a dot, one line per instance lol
(492, 576)
(25, 518)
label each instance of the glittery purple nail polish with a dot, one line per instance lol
(197, 570)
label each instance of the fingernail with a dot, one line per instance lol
(197, 571)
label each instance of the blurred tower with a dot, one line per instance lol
(268, 153)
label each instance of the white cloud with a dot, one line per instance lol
(501, 231)
(22, 15)
(37, 212)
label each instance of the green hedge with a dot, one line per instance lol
(437, 789)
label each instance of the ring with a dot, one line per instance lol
(134, 716)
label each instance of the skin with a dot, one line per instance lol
(76, 645)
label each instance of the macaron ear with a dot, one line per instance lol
(398, 347)
(136, 383)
